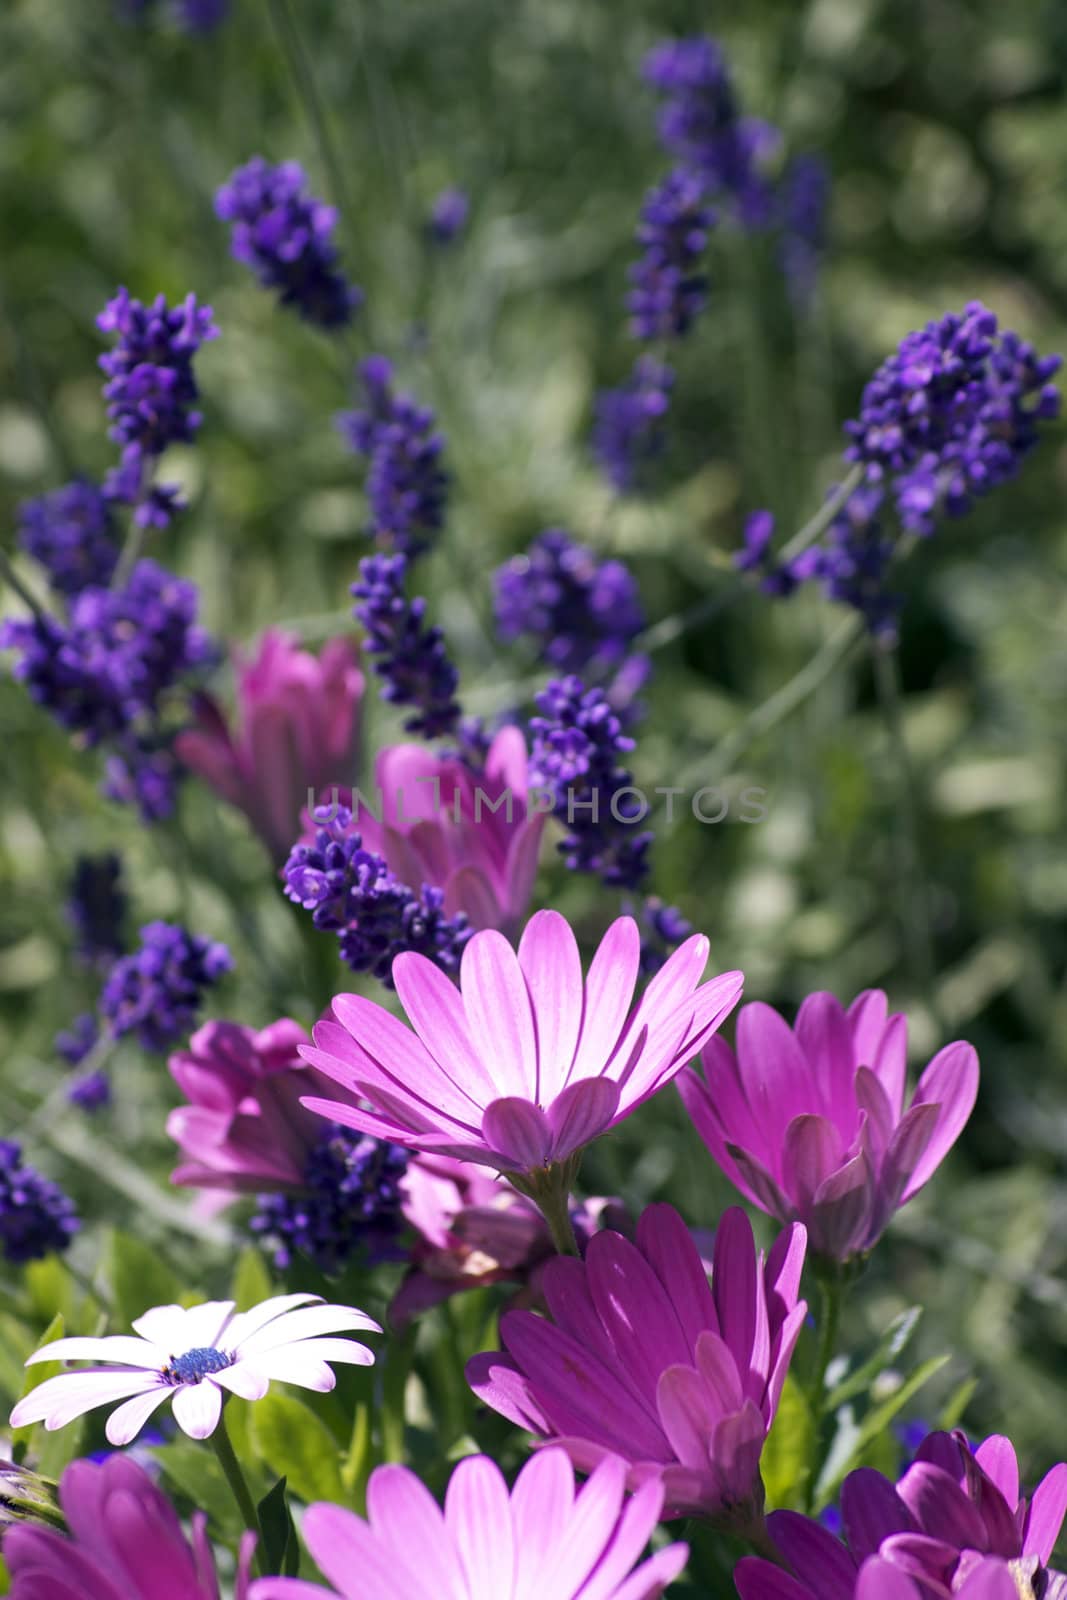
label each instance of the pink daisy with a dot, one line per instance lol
(523, 1064)
(193, 1358)
(543, 1541)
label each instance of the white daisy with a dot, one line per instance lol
(192, 1356)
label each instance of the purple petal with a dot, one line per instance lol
(818, 1559)
(825, 1036)
(1047, 1511)
(813, 1151)
(552, 967)
(584, 1109)
(667, 1245)
(478, 1518)
(950, 1081)
(841, 1211)
(872, 1510)
(497, 1003)
(519, 1132)
(609, 988)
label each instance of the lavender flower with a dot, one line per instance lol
(77, 1041)
(576, 743)
(578, 612)
(756, 556)
(406, 484)
(668, 291)
(350, 1205)
(90, 1092)
(108, 667)
(97, 909)
(143, 772)
(71, 534)
(804, 200)
(350, 891)
(701, 124)
(284, 235)
(663, 929)
(628, 431)
(413, 659)
(156, 992)
(36, 1217)
(151, 391)
(951, 415)
(448, 216)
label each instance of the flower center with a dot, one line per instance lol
(196, 1364)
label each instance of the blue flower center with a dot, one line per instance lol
(196, 1364)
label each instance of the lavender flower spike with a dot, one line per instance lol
(284, 234)
(412, 660)
(406, 484)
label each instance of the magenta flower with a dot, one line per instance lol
(643, 1360)
(472, 834)
(244, 1129)
(810, 1123)
(298, 725)
(472, 1229)
(546, 1540)
(125, 1543)
(954, 1516)
(192, 1357)
(991, 1579)
(523, 1065)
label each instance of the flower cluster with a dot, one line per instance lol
(580, 614)
(577, 742)
(36, 1217)
(629, 426)
(351, 891)
(948, 418)
(121, 650)
(156, 992)
(668, 290)
(413, 659)
(803, 203)
(284, 235)
(71, 534)
(701, 124)
(349, 1203)
(406, 484)
(151, 392)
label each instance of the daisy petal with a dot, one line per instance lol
(197, 1407)
(125, 1423)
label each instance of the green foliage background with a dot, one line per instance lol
(945, 125)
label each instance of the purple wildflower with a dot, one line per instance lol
(36, 1217)
(151, 392)
(576, 743)
(351, 891)
(283, 233)
(413, 659)
(71, 534)
(91, 1091)
(668, 291)
(448, 216)
(156, 992)
(628, 431)
(701, 123)
(803, 202)
(579, 613)
(77, 1041)
(664, 929)
(406, 484)
(350, 1204)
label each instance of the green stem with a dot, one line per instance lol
(231, 1467)
(550, 1190)
(13, 581)
(831, 1295)
(914, 901)
(671, 628)
(397, 1367)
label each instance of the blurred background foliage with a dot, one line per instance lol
(944, 123)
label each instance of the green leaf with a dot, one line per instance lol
(889, 1347)
(854, 1439)
(139, 1278)
(292, 1440)
(51, 1289)
(37, 1374)
(952, 1411)
(785, 1464)
(276, 1525)
(251, 1281)
(193, 1470)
